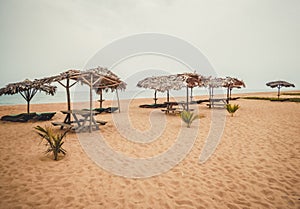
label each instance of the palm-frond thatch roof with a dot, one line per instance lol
(162, 83)
(28, 89)
(99, 78)
(20, 87)
(274, 84)
(233, 83)
(214, 82)
(171, 82)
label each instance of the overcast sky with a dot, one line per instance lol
(255, 40)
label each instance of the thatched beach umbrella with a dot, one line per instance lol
(192, 80)
(162, 84)
(67, 75)
(27, 89)
(212, 83)
(115, 84)
(171, 82)
(73, 76)
(279, 84)
(231, 83)
(95, 80)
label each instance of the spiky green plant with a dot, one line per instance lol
(232, 108)
(54, 141)
(188, 117)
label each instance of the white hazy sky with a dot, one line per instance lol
(255, 40)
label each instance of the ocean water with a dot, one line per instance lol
(82, 96)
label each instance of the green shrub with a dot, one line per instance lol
(54, 141)
(188, 117)
(232, 108)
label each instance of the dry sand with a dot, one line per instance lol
(256, 164)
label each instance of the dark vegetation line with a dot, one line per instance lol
(274, 99)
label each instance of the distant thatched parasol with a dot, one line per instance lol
(212, 83)
(171, 82)
(115, 83)
(192, 80)
(279, 84)
(162, 84)
(231, 83)
(227, 82)
(28, 89)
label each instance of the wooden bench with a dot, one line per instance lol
(172, 110)
(217, 103)
(168, 110)
(102, 123)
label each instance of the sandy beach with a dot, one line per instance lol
(255, 165)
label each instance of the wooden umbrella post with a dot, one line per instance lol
(29, 94)
(227, 94)
(168, 96)
(278, 94)
(67, 87)
(28, 104)
(68, 101)
(100, 98)
(118, 100)
(91, 98)
(155, 97)
(187, 98)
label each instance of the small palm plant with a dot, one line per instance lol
(188, 117)
(54, 141)
(232, 108)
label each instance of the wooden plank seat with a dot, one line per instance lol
(62, 124)
(178, 111)
(101, 122)
(172, 110)
(217, 102)
(189, 110)
(215, 105)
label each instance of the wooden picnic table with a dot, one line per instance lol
(217, 102)
(82, 120)
(170, 107)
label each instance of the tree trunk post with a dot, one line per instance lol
(28, 104)
(68, 101)
(91, 101)
(187, 98)
(168, 96)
